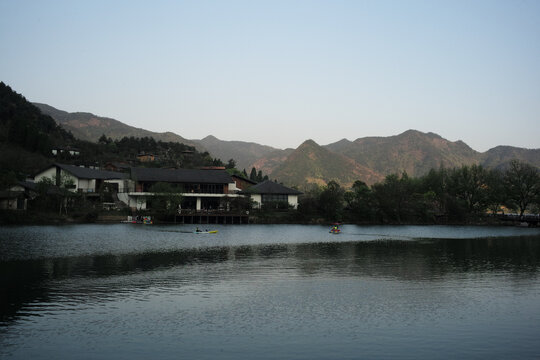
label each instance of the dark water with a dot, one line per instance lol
(268, 292)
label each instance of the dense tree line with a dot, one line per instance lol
(465, 194)
(167, 153)
(23, 125)
(256, 176)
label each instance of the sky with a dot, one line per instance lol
(281, 72)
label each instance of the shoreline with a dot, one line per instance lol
(8, 218)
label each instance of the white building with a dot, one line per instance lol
(82, 179)
(268, 192)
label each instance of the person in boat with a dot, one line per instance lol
(198, 230)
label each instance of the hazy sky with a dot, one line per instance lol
(280, 72)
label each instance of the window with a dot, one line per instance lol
(274, 198)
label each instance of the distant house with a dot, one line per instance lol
(268, 192)
(16, 196)
(201, 189)
(117, 166)
(146, 157)
(81, 179)
(71, 151)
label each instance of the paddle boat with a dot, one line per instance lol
(146, 220)
(198, 231)
(335, 229)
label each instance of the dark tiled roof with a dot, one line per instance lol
(28, 185)
(31, 186)
(244, 179)
(87, 173)
(119, 165)
(270, 187)
(181, 176)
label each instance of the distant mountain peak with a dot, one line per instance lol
(343, 141)
(308, 142)
(210, 138)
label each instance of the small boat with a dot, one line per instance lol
(335, 229)
(146, 220)
(206, 232)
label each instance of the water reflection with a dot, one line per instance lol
(269, 292)
(84, 279)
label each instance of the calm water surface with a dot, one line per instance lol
(267, 292)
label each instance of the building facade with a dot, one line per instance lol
(268, 193)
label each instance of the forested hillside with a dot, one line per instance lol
(412, 151)
(27, 138)
(313, 164)
(244, 153)
(22, 124)
(90, 127)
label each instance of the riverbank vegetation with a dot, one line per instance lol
(469, 194)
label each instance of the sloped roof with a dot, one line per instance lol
(30, 186)
(244, 179)
(181, 175)
(270, 187)
(87, 173)
(51, 189)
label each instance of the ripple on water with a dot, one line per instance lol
(300, 293)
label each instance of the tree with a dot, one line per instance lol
(231, 164)
(166, 198)
(469, 186)
(217, 162)
(51, 196)
(359, 201)
(435, 189)
(103, 140)
(394, 197)
(331, 201)
(241, 204)
(495, 191)
(308, 203)
(522, 183)
(253, 174)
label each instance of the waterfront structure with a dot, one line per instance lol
(200, 189)
(270, 192)
(82, 179)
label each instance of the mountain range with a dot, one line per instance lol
(368, 159)
(90, 127)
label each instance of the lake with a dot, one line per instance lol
(269, 291)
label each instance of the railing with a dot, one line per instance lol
(185, 194)
(524, 217)
(86, 190)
